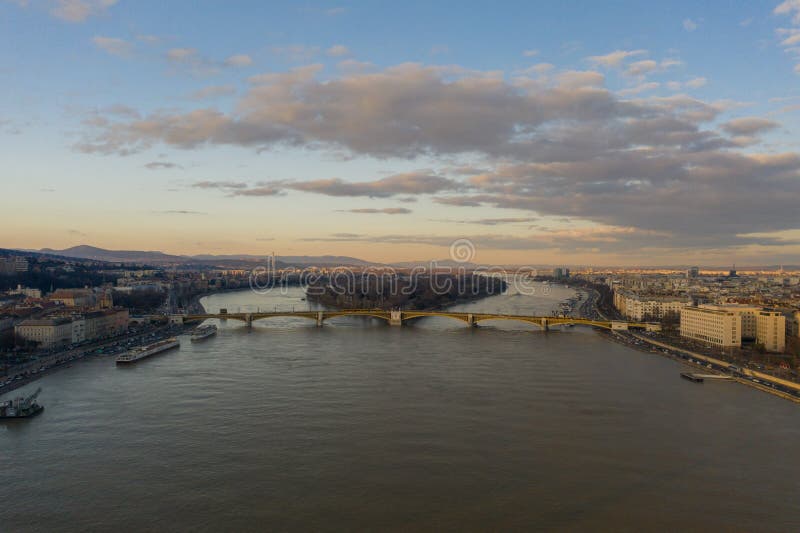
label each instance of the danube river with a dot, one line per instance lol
(429, 426)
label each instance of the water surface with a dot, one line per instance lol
(358, 425)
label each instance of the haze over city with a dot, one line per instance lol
(581, 133)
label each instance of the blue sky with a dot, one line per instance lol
(575, 132)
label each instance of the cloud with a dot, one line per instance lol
(113, 46)
(258, 191)
(178, 212)
(181, 55)
(407, 183)
(80, 10)
(190, 60)
(696, 83)
(384, 211)
(220, 185)
(530, 53)
(615, 58)
(789, 7)
(790, 37)
(239, 60)
(157, 165)
(693, 83)
(414, 110)
(560, 146)
(352, 66)
(213, 91)
(337, 50)
(492, 221)
(749, 126)
(640, 68)
(149, 39)
(639, 88)
(689, 25)
(646, 67)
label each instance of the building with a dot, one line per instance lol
(105, 323)
(749, 316)
(73, 297)
(771, 332)
(45, 332)
(718, 327)
(693, 272)
(793, 324)
(27, 292)
(642, 307)
(61, 331)
(78, 330)
(11, 265)
(561, 273)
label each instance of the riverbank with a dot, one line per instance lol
(758, 380)
(29, 372)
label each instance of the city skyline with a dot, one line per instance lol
(616, 134)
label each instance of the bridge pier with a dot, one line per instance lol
(395, 318)
(248, 320)
(545, 325)
(320, 318)
(471, 320)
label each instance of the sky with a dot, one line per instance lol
(575, 132)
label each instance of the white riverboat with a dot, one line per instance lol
(140, 352)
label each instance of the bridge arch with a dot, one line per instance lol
(262, 316)
(414, 315)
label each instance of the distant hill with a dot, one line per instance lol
(155, 257)
(113, 256)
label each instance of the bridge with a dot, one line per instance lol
(397, 318)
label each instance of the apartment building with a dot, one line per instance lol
(771, 331)
(634, 306)
(718, 327)
(45, 332)
(61, 331)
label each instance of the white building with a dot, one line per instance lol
(27, 292)
(45, 332)
(712, 326)
(60, 331)
(641, 307)
(772, 331)
(749, 316)
(78, 330)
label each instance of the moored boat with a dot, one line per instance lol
(203, 332)
(140, 352)
(21, 407)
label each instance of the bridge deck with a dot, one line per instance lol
(397, 317)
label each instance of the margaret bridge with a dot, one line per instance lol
(398, 317)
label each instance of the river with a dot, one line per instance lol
(359, 425)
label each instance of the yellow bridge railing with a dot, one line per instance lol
(397, 317)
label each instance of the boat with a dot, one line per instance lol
(140, 352)
(204, 332)
(21, 407)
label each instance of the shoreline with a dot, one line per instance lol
(692, 360)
